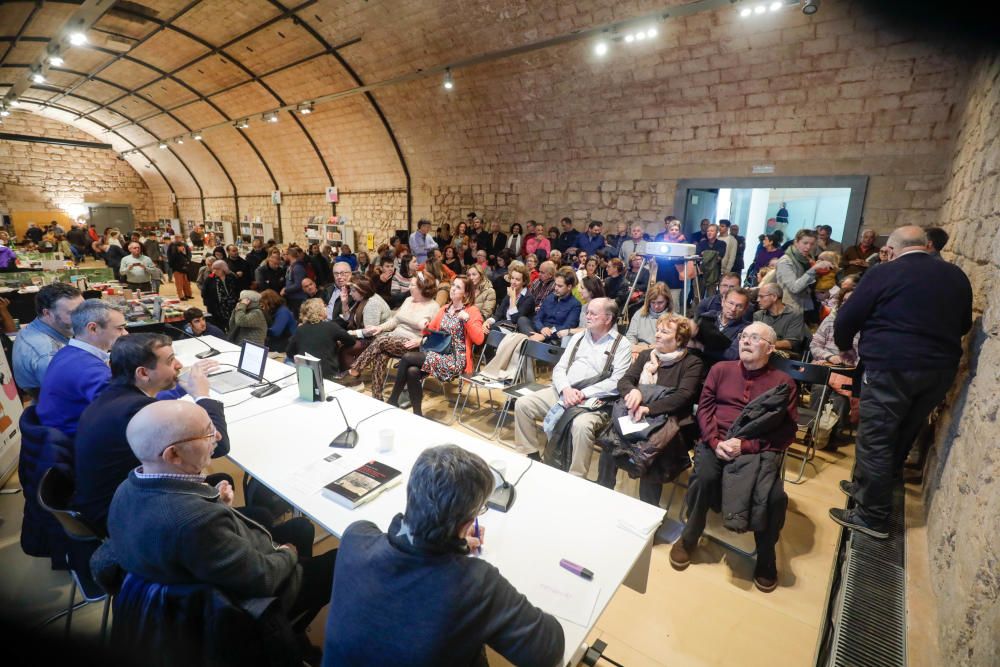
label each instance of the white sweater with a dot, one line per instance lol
(408, 321)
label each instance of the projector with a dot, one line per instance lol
(669, 249)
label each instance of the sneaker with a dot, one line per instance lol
(680, 555)
(850, 519)
(848, 488)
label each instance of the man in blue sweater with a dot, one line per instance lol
(415, 597)
(39, 341)
(912, 312)
(560, 310)
(80, 371)
(591, 240)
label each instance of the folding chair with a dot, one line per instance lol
(475, 382)
(533, 351)
(54, 494)
(809, 374)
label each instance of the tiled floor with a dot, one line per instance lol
(710, 614)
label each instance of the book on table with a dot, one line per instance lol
(362, 484)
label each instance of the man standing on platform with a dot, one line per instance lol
(912, 312)
(729, 387)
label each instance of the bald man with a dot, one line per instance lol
(169, 527)
(912, 312)
(729, 387)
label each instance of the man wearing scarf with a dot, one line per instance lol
(796, 273)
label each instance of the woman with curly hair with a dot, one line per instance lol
(319, 337)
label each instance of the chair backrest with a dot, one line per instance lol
(495, 336)
(801, 371)
(543, 352)
(54, 494)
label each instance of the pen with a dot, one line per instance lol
(578, 570)
(479, 549)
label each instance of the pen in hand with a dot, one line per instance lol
(479, 549)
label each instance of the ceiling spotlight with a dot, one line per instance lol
(449, 82)
(629, 38)
(639, 36)
(196, 136)
(179, 141)
(601, 48)
(163, 145)
(810, 7)
(775, 6)
(652, 32)
(4, 112)
(306, 108)
(15, 103)
(77, 38)
(38, 77)
(243, 124)
(56, 60)
(745, 12)
(759, 9)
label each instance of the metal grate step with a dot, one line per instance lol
(870, 618)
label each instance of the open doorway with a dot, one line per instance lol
(764, 205)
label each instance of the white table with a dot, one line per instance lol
(554, 516)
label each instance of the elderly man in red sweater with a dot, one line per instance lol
(730, 385)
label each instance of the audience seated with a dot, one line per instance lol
(420, 572)
(337, 296)
(366, 310)
(642, 328)
(248, 321)
(320, 337)
(142, 366)
(634, 245)
(79, 371)
(517, 306)
(590, 288)
(197, 325)
(637, 282)
(718, 331)
(668, 364)
(587, 373)
(461, 320)
(854, 261)
(560, 310)
(38, 341)
(725, 467)
(485, 296)
(542, 286)
(615, 286)
(536, 242)
(714, 303)
(281, 324)
(167, 525)
(790, 328)
(492, 241)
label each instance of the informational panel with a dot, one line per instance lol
(10, 419)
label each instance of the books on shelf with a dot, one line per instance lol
(362, 484)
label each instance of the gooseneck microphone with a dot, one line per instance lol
(349, 438)
(210, 352)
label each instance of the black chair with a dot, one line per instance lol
(532, 352)
(805, 374)
(54, 493)
(475, 381)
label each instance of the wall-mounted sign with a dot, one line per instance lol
(763, 169)
(276, 197)
(331, 195)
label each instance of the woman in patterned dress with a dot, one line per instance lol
(464, 322)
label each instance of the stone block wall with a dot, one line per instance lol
(964, 487)
(379, 212)
(44, 176)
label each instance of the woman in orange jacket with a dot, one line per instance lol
(462, 320)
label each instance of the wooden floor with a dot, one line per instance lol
(710, 614)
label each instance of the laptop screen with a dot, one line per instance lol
(252, 359)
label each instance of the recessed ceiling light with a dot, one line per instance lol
(629, 38)
(759, 9)
(652, 32)
(196, 136)
(601, 48)
(449, 82)
(163, 145)
(745, 12)
(38, 77)
(306, 108)
(775, 6)
(55, 60)
(77, 38)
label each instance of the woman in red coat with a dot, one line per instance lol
(460, 318)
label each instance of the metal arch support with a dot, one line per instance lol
(375, 106)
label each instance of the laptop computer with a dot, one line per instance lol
(253, 358)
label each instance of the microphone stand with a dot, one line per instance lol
(210, 352)
(348, 439)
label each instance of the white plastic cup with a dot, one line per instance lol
(385, 440)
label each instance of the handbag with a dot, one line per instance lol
(437, 341)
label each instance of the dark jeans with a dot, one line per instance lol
(894, 407)
(607, 472)
(408, 376)
(704, 493)
(317, 585)
(525, 325)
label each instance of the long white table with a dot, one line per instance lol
(282, 441)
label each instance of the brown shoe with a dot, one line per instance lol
(680, 555)
(765, 583)
(349, 380)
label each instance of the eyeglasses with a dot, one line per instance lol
(754, 338)
(213, 434)
(341, 273)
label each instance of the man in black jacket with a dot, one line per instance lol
(420, 577)
(179, 261)
(142, 366)
(912, 312)
(567, 239)
(270, 274)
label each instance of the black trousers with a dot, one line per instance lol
(408, 376)
(607, 474)
(894, 407)
(705, 491)
(317, 587)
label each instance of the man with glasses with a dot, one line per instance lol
(338, 296)
(142, 367)
(169, 526)
(80, 371)
(719, 330)
(729, 387)
(37, 343)
(786, 321)
(912, 313)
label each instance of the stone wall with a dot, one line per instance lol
(964, 482)
(49, 177)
